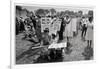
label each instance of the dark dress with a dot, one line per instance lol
(61, 30)
(34, 23)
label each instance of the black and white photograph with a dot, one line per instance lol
(51, 34)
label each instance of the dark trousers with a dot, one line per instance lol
(84, 31)
(61, 35)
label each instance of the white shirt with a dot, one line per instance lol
(85, 21)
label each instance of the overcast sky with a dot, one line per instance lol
(32, 8)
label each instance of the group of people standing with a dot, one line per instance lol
(87, 31)
(72, 25)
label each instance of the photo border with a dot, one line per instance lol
(12, 36)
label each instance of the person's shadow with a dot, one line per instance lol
(68, 48)
(88, 53)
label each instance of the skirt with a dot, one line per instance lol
(89, 34)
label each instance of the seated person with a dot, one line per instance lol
(55, 38)
(46, 37)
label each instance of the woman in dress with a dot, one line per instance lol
(68, 32)
(68, 29)
(89, 33)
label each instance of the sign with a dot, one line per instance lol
(56, 26)
(59, 45)
(45, 23)
(53, 26)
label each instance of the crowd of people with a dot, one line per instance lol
(70, 27)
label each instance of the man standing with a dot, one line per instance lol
(61, 30)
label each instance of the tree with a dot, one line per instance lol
(67, 11)
(40, 12)
(26, 10)
(90, 12)
(19, 8)
(53, 11)
(46, 11)
(30, 14)
(62, 13)
(80, 13)
(71, 13)
(58, 14)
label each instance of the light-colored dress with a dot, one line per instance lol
(68, 30)
(89, 33)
